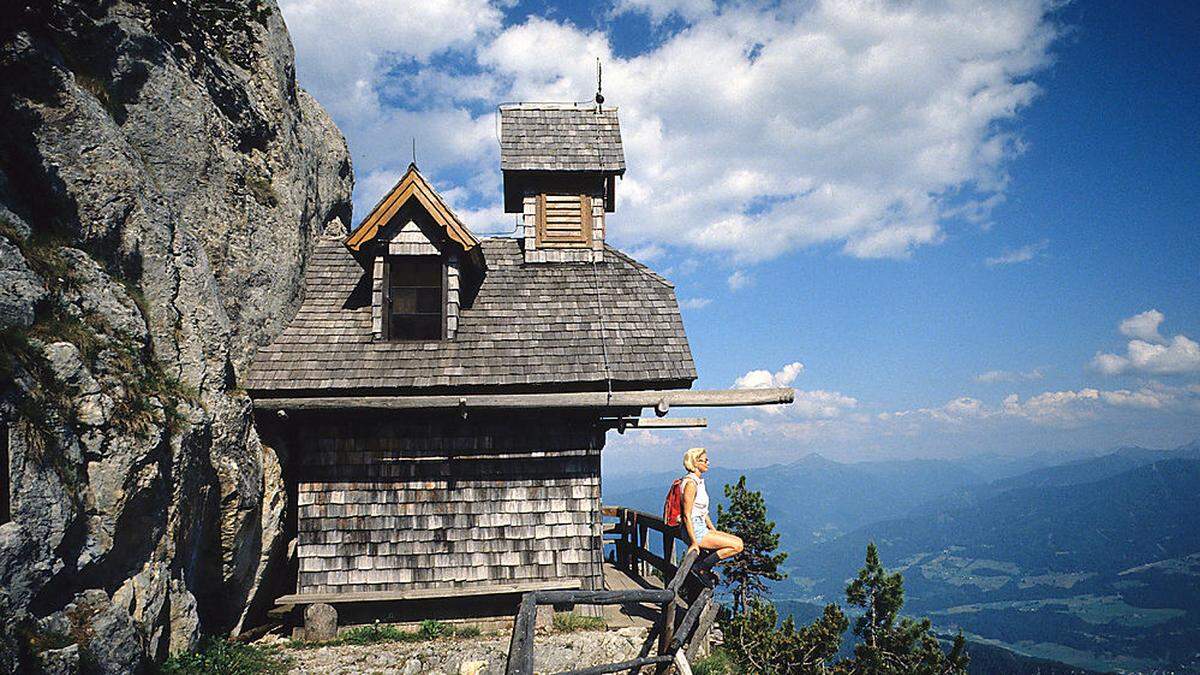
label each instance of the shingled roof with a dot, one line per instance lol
(529, 326)
(560, 137)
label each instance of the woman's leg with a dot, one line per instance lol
(727, 545)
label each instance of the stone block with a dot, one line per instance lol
(320, 622)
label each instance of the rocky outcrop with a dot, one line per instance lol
(161, 179)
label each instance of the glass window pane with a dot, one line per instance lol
(404, 300)
(410, 327)
(429, 300)
(416, 271)
(416, 295)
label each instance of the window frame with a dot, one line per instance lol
(386, 311)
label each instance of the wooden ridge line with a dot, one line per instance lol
(660, 400)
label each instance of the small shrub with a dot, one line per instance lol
(719, 662)
(431, 630)
(571, 622)
(365, 635)
(227, 657)
(468, 632)
(374, 633)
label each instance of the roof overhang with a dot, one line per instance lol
(661, 400)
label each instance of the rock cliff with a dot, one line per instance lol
(161, 179)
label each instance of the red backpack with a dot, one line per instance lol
(673, 507)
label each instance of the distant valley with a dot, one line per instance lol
(1092, 561)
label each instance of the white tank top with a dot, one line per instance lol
(700, 505)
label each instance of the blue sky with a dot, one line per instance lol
(972, 223)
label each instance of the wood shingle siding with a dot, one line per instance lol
(560, 138)
(419, 504)
(527, 324)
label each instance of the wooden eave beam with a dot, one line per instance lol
(622, 423)
(647, 398)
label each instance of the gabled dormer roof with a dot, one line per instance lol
(412, 186)
(560, 137)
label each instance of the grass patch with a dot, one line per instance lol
(227, 657)
(719, 662)
(377, 633)
(570, 622)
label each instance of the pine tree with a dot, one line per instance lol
(747, 572)
(888, 645)
(759, 643)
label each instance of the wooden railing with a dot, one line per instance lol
(633, 556)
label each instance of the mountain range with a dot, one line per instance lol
(1092, 561)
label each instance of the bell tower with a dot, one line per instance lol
(560, 165)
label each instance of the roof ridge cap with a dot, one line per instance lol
(586, 106)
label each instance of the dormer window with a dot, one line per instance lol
(415, 298)
(564, 220)
(417, 253)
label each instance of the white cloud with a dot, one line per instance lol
(695, 303)
(858, 124)
(1149, 351)
(739, 280)
(1019, 255)
(993, 376)
(765, 379)
(648, 253)
(1063, 409)
(658, 10)
(340, 43)
(821, 404)
(813, 404)
(1143, 326)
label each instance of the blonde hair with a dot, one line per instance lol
(690, 457)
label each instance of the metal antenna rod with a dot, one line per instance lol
(414, 150)
(599, 85)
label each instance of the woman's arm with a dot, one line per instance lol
(689, 499)
(710, 522)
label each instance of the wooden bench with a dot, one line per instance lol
(425, 593)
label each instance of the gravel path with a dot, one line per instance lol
(463, 656)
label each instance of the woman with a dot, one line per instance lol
(700, 529)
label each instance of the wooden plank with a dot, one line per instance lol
(667, 634)
(584, 399)
(520, 648)
(684, 631)
(658, 423)
(658, 562)
(585, 210)
(426, 593)
(540, 218)
(700, 636)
